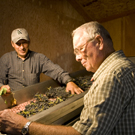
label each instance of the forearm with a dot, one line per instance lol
(40, 129)
(53, 70)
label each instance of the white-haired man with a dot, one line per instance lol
(109, 105)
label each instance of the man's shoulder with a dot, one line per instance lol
(6, 58)
(8, 54)
(121, 67)
(36, 54)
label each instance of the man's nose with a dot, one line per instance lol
(78, 58)
(22, 45)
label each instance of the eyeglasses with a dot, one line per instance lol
(79, 50)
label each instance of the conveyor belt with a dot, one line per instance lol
(61, 113)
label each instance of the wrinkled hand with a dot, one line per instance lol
(7, 87)
(71, 86)
(11, 123)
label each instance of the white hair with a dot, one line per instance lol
(91, 30)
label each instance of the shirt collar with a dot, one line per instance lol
(27, 56)
(115, 55)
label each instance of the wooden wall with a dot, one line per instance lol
(49, 23)
(122, 32)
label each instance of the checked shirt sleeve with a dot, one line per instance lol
(103, 105)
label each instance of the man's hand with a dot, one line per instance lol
(11, 122)
(71, 86)
(8, 90)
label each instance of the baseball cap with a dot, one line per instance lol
(18, 34)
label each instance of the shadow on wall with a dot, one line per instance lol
(67, 62)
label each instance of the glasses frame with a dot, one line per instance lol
(80, 50)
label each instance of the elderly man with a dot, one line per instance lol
(109, 105)
(22, 67)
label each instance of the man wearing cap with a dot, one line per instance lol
(22, 67)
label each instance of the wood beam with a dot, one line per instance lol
(123, 14)
(79, 8)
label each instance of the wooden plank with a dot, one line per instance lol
(116, 16)
(27, 93)
(80, 10)
(62, 112)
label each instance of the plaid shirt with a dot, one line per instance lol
(109, 105)
(18, 73)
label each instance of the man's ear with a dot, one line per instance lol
(12, 43)
(100, 42)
